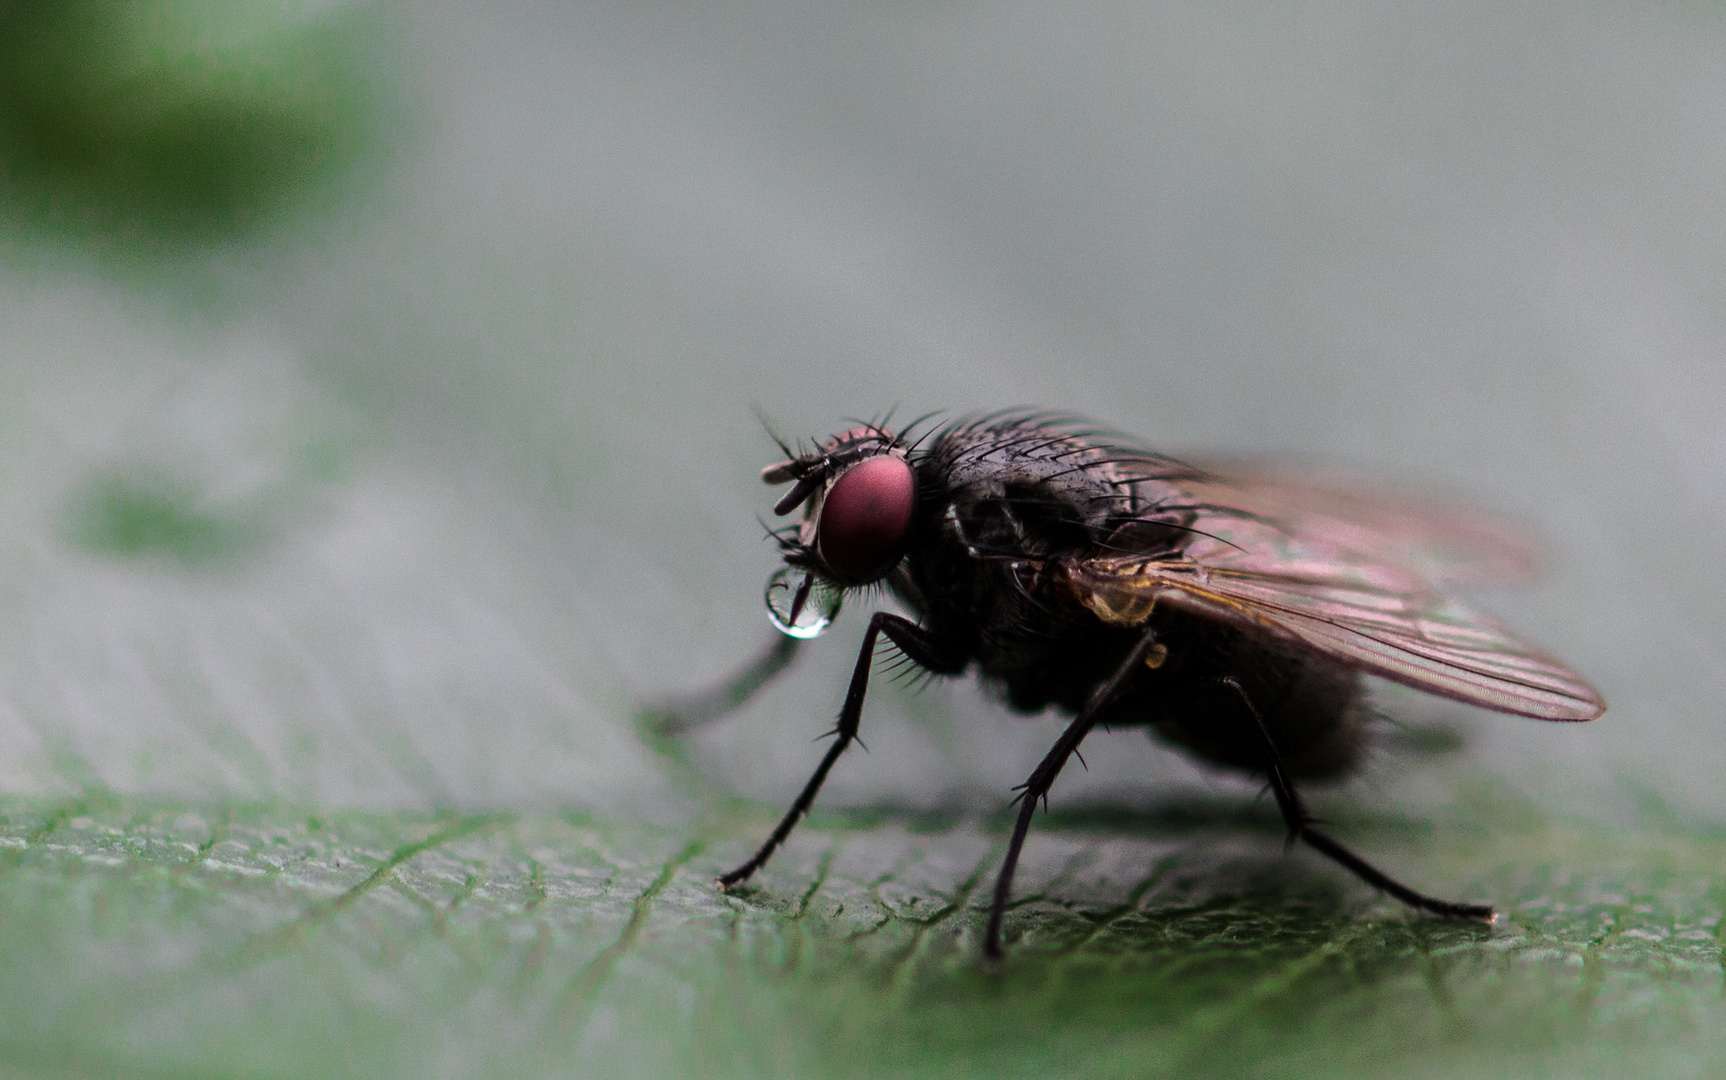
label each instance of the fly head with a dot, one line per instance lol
(859, 495)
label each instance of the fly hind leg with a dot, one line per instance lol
(1299, 823)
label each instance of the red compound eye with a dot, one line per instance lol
(865, 515)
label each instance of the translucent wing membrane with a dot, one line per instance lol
(1446, 541)
(1341, 587)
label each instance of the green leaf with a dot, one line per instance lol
(166, 122)
(145, 939)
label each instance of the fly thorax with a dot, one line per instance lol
(1034, 505)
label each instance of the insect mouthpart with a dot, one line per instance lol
(801, 609)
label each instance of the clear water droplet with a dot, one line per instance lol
(819, 608)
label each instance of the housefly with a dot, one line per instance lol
(1230, 609)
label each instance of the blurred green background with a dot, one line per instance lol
(380, 435)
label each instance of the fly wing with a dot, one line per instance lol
(1447, 541)
(1368, 613)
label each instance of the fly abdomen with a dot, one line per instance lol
(1312, 707)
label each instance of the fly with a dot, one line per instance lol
(1231, 609)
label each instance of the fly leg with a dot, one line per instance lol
(1299, 824)
(916, 645)
(1037, 787)
(681, 715)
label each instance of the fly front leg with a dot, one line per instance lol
(1037, 787)
(681, 715)
(922, 650)
(1299, 823)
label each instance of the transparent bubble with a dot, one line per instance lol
(819, 608)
